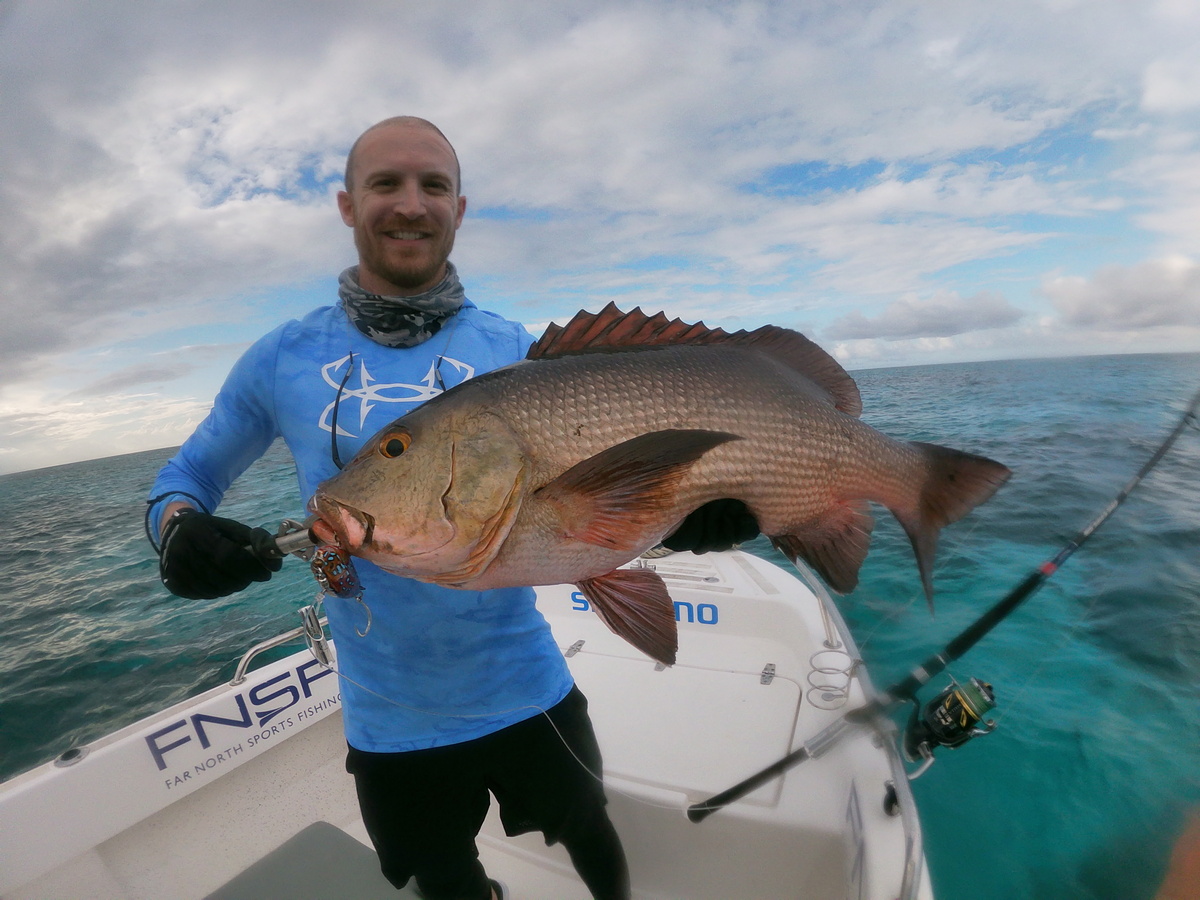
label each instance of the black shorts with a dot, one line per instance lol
(424, 808)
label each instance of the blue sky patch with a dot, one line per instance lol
(814, 177)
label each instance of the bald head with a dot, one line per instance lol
(403, 202)
(401, 122)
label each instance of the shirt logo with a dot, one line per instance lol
(370, 392)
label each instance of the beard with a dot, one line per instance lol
(403, 269)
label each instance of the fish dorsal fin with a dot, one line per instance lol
(795, 351)
(612, 330)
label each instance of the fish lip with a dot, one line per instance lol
(327, 510)
(330, 515)
(324, 533)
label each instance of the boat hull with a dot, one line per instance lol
(235, 790)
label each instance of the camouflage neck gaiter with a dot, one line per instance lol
(400, 321)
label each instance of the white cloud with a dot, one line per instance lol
(168, 166)
(1153, 294)
(945, 314)
(1170, 179)
(1172, 85)
(47, 431)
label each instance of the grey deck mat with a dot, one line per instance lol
(322, 862)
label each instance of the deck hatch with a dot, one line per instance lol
(658, 730)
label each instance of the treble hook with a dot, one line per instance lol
(363, 604)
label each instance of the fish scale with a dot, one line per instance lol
(788, 437)
(562, 467)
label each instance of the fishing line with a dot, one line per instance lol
(906, 689)
(1074, 629)
(437, 366)
(1190, 417)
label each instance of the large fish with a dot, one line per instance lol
(562, 467)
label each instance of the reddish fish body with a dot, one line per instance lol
(564, 466)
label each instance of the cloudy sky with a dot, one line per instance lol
(905, 182)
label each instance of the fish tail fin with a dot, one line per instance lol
(954, 484)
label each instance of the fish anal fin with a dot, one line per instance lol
(836, 547)
(635, 606)
(955, 483)
(615, 498)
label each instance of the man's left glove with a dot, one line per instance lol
(717, 525)
(204, 557)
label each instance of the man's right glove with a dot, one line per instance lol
(204, 557)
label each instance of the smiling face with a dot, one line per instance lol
(403, 204)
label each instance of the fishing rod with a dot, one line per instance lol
(950, 718)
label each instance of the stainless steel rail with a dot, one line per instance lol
(278, 641)
(906, 804)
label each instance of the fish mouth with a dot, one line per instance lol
(341, 525)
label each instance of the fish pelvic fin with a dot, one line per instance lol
(612, 330)
(955, 483)
(635, 606)
(616, 498)
(836, 547)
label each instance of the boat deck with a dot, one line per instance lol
(760, 670)
(320, 861)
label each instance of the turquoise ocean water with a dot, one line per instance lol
(1096, 758)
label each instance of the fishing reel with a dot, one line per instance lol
(950, 719)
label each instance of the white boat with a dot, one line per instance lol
(241, 791)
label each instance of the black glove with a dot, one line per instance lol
(204, 557)
(717, 525)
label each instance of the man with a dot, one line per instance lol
(447, 695)
(444, 692)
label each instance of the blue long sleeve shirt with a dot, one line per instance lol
(438, 665)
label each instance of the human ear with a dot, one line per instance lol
(346, 207)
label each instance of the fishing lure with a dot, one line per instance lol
(334, 571)
(330, 565)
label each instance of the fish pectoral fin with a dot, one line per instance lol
(835, 547)
(635, 605)
(615, 498)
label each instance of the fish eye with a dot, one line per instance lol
(392, 445)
